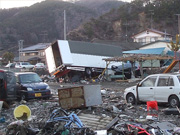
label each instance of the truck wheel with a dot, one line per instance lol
(88, 71)
(173, 101)
(130, 98)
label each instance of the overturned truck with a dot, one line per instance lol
(75, 58)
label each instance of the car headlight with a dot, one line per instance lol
(29, 89)
(47, 87)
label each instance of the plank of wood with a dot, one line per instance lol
(116, 119)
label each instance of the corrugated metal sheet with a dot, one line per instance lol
(146, 51)
(95, 122)
(94, 49)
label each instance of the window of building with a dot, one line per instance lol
(42, 54)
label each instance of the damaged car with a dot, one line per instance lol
(164, 88)
(31, 86)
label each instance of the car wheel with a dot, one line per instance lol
(130, 98)
(23, 97)
(173, 101)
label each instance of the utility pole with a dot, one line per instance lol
(152, 13)
(64, 24)
(126, 24)
(20, 44)
(178, 22)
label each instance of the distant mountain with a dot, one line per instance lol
(44, 22)
(120, 24)
(100, 6)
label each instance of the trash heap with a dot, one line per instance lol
(113, 117)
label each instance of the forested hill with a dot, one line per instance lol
(44, 22)
(130, 19)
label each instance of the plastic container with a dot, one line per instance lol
(22, 112)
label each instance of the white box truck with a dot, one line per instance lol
(64, 56)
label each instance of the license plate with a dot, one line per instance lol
(37, 94)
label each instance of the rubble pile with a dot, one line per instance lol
(114, 116)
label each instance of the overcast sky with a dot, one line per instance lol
(23, 3)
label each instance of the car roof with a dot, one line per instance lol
(2, 70)
(21, 73)
(170, 74)
(39, 63)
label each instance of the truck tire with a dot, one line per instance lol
(88, 71)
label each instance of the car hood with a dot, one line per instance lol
(39, 85)
(130, 88)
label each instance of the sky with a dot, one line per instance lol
(5, 4)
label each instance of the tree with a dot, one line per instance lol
(175, 46)
(8, 56)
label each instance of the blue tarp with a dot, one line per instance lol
(146, 51)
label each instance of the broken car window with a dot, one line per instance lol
(149, 82)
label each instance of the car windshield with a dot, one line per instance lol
(25, 63)
(29, 78)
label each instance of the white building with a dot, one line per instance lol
(151, 35)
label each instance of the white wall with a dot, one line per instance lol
(157, 45)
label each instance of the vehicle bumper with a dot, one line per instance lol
(39, 94)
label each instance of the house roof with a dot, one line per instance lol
(138, 57)
(165, 41)
(125, 46)
(94, 49)
(157, 51)
(39, 46)
(154, 31)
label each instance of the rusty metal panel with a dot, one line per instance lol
(81, 96)
(71, 97)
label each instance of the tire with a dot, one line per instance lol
(121, 128)
(173, 101)
(88, 71)
(130, 98)
(23, 97)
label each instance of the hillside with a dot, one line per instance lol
(44, 22)
(130, 19)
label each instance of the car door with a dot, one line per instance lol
(165, 87)
(3, 94)
(146, 89)
(11, 85)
